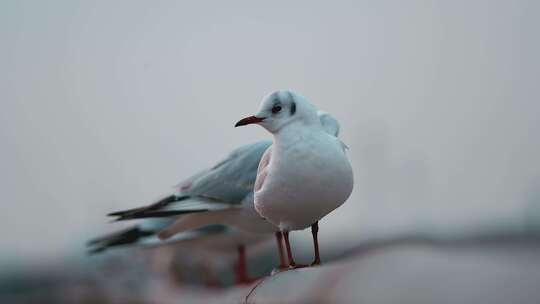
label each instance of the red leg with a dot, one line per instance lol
(279, 239)
(241, 267)
(292, 264)
(241, 272)
(314, 232)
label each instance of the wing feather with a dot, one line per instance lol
(231, 179)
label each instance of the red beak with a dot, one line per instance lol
(249, 120)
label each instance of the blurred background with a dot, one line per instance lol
(107, 104)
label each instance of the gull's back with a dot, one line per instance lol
(230, 180)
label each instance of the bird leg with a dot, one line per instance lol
(241, 267)
(279, 240)
(292, 264)
(314, 232)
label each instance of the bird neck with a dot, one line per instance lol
(295, 132)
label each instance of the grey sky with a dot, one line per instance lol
(106, 104)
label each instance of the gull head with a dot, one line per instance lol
(282, 108)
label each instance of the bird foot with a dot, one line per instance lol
(316, 263)
(296, 266)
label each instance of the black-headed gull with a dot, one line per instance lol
(305, 174)
(208, 241)
(222, 194)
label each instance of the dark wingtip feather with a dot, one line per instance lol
(123, 237)
(155, 214)
(118, 213)
(157, 205)
(95, 250)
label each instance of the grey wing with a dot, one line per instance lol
(221, 186)
(231, 179)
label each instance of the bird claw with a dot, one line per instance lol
(315, 263)
(296, 266)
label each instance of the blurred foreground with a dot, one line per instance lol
(495, 267)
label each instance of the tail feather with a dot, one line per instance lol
(123, 237)
(154, 214)
(196, 220)
(155, 206)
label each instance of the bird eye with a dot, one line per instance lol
(276, 109)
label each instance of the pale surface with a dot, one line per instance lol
(414, 272)
(493, 269)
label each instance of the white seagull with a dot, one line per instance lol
(207, 242)
(222, 194)
(305, 174)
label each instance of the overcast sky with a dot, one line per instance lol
(106, 104)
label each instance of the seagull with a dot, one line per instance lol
(305, 174)
(222, 194)
(209, 240)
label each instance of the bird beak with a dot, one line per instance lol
(249, 120)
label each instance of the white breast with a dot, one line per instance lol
(303, 181)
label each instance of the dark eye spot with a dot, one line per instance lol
(276, 109)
